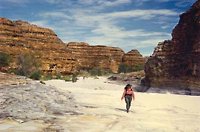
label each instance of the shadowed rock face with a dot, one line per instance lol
(17, 37)
(176, 63)
(96, 56)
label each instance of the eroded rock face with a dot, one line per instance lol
(18, 37)
(99, 56)
(176, 63)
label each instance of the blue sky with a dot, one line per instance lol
(128, 24)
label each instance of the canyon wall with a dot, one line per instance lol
(20, 37)
(176, 63)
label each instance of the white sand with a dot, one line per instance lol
(149, 112)
(103, 111)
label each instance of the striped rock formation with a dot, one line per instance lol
(175, 64)
(19, 37)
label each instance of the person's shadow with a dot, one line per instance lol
(120, 109)
(124, 110)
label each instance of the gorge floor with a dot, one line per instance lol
(101, 110)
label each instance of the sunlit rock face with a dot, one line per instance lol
(176, 63)
(133, 58)
(98, 56)
(19, 37)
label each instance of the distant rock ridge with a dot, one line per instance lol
(18, 37)
(176, 63)
(133, 58)
(96, 56)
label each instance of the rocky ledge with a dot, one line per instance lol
(29, 100)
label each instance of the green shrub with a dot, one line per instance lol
(4, 59)
(47, 77)
(84, 73)
(67, 78)
(124, 68)
(74, 77)
(36, 75)
(58, 76)
(12, 71)
(95, 72)
(138, 67)
(99, 72)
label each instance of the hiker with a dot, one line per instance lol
(128, 94)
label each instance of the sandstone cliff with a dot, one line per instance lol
(176, 63)
(98, 56)
(133, 58)
(18, 37)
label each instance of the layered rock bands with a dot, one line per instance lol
(19, 37)
(176, 63)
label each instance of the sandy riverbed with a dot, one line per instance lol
(101, 110)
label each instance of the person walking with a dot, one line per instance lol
(128, 94)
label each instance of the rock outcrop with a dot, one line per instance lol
(18, 37)
(98, 56)
(12, 80)
(176, 63)
(23, 99)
